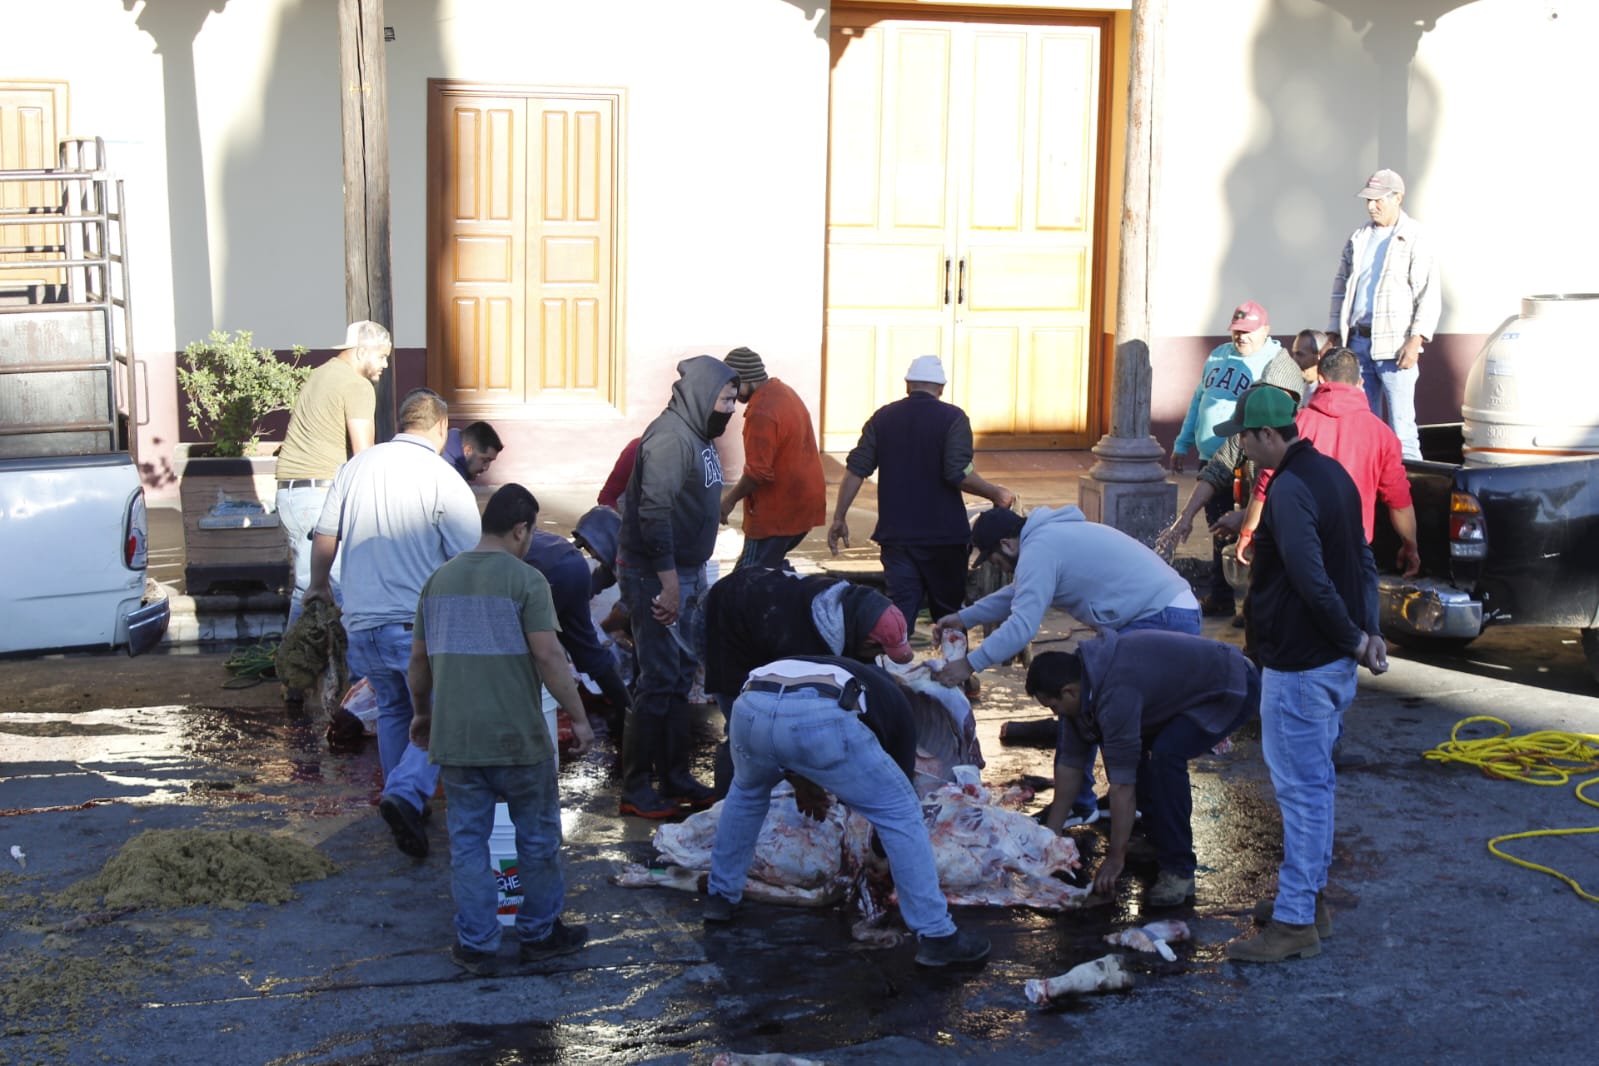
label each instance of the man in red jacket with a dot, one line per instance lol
(1339, 423)
(783, 488)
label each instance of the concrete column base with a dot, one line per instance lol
(1141, 509)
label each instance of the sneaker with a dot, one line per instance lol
(1263, 912)
(1238, 621)
(1169, 890)
(719, 910)
(405, 821)
(476, 963)
(560, 940)
(1345, 759)
(1277, 942)
(960, 948)
(647, 803)
(1082, 814)
(690, 794)
(1103, 803)
(1216, 607)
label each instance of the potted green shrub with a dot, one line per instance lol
(227, 486)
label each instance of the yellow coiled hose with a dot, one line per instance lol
(1547, 757)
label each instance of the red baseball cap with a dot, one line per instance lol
(1248, 317)
(891, 633)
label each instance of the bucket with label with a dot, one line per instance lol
(502, 838)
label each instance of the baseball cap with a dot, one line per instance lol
(1260, 407)
(1248, 317)
(926, 368)
(993, 526)
(1382, 184)
(363, 334)
(892, 635)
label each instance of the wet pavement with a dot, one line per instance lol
(1441, 953)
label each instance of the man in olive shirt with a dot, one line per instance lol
(337, 402)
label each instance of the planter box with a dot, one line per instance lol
(231, 537)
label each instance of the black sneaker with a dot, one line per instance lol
(406, 823)
(560, 940)
(476, 963)
(960, 948)
(719, 910)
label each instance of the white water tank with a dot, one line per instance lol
(1533, 393)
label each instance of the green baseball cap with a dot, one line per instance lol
(1262, 406)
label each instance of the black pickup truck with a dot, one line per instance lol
(1500, 545)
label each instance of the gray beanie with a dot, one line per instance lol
(751, 371)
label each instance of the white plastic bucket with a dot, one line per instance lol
(502, 838)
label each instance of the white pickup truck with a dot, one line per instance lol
(73, 524)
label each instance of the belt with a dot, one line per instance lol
(306, 483)
(831, 692)
(1360, 331)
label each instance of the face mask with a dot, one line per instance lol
(719, 423)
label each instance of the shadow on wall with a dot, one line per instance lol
(1335, 115)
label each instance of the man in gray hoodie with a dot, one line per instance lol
(670, 514)
(1096, 573)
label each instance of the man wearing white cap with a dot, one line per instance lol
(1386, 299)
(921, 448)
(336, 404)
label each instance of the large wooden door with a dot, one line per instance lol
(32, 114)
(522, 248)
(963, 171)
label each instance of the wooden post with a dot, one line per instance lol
(1127, 487)
(368, 288)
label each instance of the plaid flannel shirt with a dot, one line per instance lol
(1409, 295)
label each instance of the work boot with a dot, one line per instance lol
(1263, 913)
(405, 822)
(643, 735)
(719, 910)
(960, 948)
(1277, 942)
(1170, 890)
(560, 940)
(1214, 606)
(476, 963)
(677, 783)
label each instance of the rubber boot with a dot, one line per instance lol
(643, 736)
(677, 782)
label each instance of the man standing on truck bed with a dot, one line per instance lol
(1386, 298)
(337, 404)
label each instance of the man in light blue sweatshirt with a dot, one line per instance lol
(1228, 372)
(1096, 573)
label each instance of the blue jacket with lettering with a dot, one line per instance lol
(1224, 377)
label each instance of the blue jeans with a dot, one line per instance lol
(810, 735)
(298, 509)
(665, 668)
(1164, 793)
(1169, 619)
(533, 802)
(936, 570)
(1301, 712)
(383, 655)
(1220, 590)
(768, 551)
(1383, 380)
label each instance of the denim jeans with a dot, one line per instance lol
(665, 668)
(1169, 619)
(1301, 712)
(298, 509)
(1220, 590)
(1164, 793)
(768, 551)
(810, 735)
(1383, 380)
(383, 655)
(532, 799)
(938, 570)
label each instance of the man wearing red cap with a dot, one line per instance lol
(1229, 370)
(1386, 299)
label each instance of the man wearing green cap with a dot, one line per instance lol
(1313, 623)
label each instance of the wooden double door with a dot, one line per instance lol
(963, 177)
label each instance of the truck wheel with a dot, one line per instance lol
(1590, 648)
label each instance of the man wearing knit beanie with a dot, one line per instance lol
(782, 486)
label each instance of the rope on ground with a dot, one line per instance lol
(252, 664)
(1546, 757)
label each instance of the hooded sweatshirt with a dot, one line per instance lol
(1096, 573)
(1339, 422)
(673, 503)
(1227, 373)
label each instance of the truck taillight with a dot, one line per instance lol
(1468, 537)
(136, 533)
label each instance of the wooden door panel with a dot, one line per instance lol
(31, 116)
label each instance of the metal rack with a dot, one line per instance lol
(68, 376)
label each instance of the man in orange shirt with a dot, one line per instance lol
(783, 489)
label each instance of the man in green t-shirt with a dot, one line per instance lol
(483, 641)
